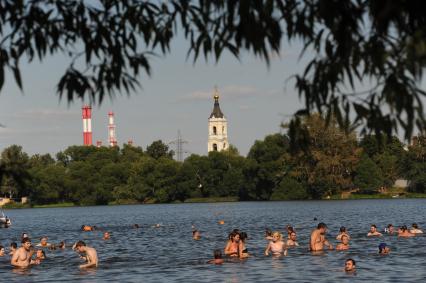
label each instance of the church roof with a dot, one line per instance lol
(216, 113)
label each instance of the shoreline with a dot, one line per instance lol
(217, 200)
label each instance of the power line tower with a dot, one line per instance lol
(179, 147)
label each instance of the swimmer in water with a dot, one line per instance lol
(342, 231)
(276, 246)
(350, 265)
(86, 228)
(217, 257)
(22, 257)
(61, 245)
(244, 251)
(290, 230)
(415, 229)
(106, 236)
(344, 245)
(12, 248)
(196, 235)
(384, 249)
(318, 239)
(373, 232)
(40, 255)
(91, 255)
(232, 247)
(2, 251)
(390, 229)
(292, 240)
(43, 243)
(404, 233)
(268, 234)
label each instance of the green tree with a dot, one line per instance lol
(110, 43)
(368, 177)
(159, 149)
(14, 171)
(289, 189)
(327, 163)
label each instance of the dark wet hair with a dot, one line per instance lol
(342, 229)
(353, 261)
(1, 247)
(374, 225)
(61, 245)
(414, 225)
(243, 236)
(135, 225)
(25, 240)
(13, 245)
(217, 254)
(44, 254)
(80, 244)
(268, 232)
(290, 228)
(193, 232)
(403, 228)
(321, 225)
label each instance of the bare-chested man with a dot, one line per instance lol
(373, 232)
(318, 239)
(292, 240)
(91, 255)
(22, 256)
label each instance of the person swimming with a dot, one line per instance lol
(276, 246)
(318, 239)
(292, 240)
(350, 265)
(87, 228)
(342, 231)
(2, 251)
(268, 234)
(43, 243)
(384, 249)
(232, 247)
(390, 229)
(196, 235)
(373, 231)
(404, 233)
(12, 248)
(244, 251)
(415, 229)
(344, 245)
(217, 254)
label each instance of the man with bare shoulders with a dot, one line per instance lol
(22, 256)
(91, 255)
(318, 239)
(344, 245)
(373, 232)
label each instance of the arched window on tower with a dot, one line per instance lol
(223, 130)
(224, 145)
(214, 130)
(214, 147)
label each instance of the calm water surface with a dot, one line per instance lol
(168, 253)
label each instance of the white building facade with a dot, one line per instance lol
(218, 128)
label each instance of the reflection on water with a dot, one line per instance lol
(168, 253)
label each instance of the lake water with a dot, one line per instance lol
(168, 253)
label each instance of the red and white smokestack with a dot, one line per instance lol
(112, 140)
(87, 125)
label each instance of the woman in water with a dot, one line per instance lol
(276, 246)
(342, 232)
(233, 245)
(244, 252)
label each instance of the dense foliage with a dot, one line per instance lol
(333, 162)
(366, 63)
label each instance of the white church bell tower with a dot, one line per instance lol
(218, 128)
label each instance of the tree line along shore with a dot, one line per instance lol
(324, 162)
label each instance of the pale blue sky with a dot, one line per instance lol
(178, 95)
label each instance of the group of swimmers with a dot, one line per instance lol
(236, 244)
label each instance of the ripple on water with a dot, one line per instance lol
(168, 253)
